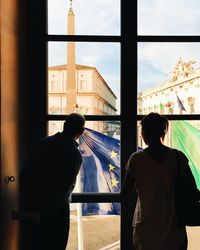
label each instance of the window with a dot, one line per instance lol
(167, 60)
(85, 56)
(83, 85)
(98, 65)
(52, 85)
(147, 60)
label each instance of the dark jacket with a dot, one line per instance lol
(49, 175)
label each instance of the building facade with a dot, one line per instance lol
(93, 96)
(183, 88)
(179, 95)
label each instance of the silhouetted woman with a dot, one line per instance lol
(152, 171)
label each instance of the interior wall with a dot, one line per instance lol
(9, 122)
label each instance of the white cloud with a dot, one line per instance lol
(57, 53)
(92, 53)
(115, 82)
(165, 55)
(168, 17)
(92, 17)
(105, 57)
(149, 79)
(159, 60)
(103, 17)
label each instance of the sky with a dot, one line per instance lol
(102, 17)
(90, 16)
(156, 61)
(169, 17)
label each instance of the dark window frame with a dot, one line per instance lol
(128, 116)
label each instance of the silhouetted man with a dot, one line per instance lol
(47, 180)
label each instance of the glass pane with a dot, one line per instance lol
(87, 80)
(104, 16)
(168, 17)
(168, 78)
(98, 230)
(100, 149)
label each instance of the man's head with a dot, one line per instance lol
(74, 125)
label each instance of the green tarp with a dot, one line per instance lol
(186, 137)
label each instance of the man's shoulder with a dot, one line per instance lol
(50, 138)
(59, 143)
(48, 144)
(74, 149)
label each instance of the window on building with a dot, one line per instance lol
(100, 105)
(52, 85)
(105, 108)
(83, 85)
(54, 110)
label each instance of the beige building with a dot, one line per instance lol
(73, 87)
(179, 95)
(93, 95)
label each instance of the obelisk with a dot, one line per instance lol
(71, 77)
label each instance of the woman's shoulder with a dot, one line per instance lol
(180, 153)
(182, 156)
(133, 159)
(137, 155)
